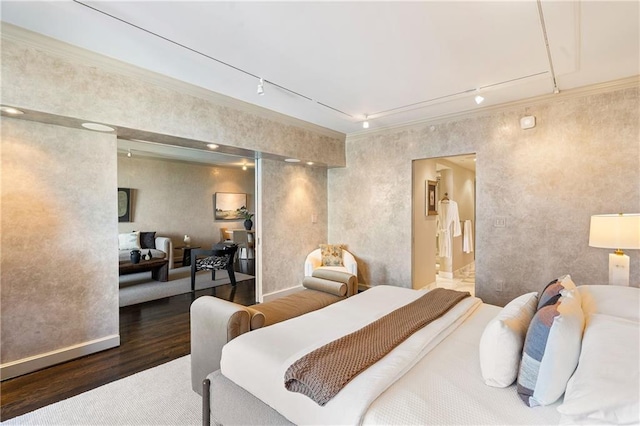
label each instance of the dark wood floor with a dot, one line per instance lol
(151, 334)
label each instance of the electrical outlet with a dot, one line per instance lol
(500, 222)
(499, 285)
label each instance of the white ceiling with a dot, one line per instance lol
(398, 62)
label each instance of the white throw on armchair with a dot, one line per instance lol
(314, 261)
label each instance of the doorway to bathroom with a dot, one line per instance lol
(443, 225)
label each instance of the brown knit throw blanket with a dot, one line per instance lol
(322, 373)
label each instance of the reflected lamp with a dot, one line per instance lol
(616, 231)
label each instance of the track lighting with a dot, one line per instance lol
(97, 127)
(261, 87)
(365, 123)
(11, 110)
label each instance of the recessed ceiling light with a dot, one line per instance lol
(212, 146)
(291, 160)
(309, 163)
(10, 110)
(479, 99)
(97, 127)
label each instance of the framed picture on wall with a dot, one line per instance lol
(124, 205)
(431, 198)
(227, 205)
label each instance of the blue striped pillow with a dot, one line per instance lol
(551, 292)
(551, 350)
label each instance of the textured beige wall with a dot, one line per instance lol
(175, 198)
(291, 195)
(71, 88)
(59, 276)
(582, 158)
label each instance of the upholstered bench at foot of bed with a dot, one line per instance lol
(214, 322)
(232, 405)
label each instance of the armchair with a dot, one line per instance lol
(219, 258)
(314, 261)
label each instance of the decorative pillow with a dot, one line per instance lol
(551, 350)
(327, 286)
(551, 292)
(148, 240)
(130, 241)
(331, 254)
(257, 318)
(502, 341)
(604, 388)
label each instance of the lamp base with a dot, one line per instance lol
(618, 269)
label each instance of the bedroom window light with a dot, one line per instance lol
(616, 231)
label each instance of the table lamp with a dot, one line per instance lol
(616, 231)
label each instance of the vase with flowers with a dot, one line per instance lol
(247, 216)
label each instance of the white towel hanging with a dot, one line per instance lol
(467, 239)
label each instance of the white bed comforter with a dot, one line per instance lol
(257, 361)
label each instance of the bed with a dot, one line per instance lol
(437, 376)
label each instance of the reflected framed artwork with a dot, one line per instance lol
(431, 198)
(227, 205)
(124, 204)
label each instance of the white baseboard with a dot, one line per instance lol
(282, 293)
(37, 362)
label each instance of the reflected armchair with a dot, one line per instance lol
(314, 261)
(219, 258)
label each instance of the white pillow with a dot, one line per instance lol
(130, 241)
(614, 300)
(604, 387)
(502, 341)
(551, 350)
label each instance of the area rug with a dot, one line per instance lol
(158, 396)
(139, 287)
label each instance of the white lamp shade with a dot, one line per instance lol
(618, 231)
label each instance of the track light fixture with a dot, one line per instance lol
(478, 97)
(261, 87)
(365, 123)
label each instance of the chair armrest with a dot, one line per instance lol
(214, 322)
(166, 245)
(349, 262)
(313, 261)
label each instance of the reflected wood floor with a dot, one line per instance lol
(151, 334)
